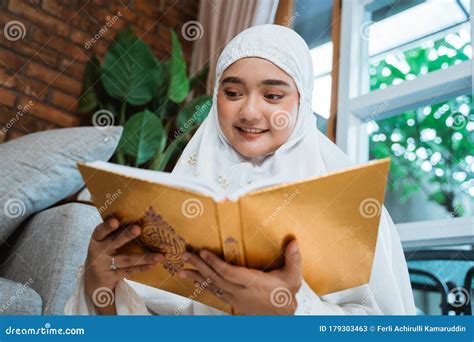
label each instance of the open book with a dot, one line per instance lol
(334, 217)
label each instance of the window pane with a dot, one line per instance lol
(322, 67)
(322, 59)
(438, 37)
(429, 56)
(322, 95)
(432, 168)
(312, 20)
(419, 21)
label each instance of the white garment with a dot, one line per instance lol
(388, 291)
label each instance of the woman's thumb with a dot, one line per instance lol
(292, 259)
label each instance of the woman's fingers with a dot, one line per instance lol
(235, 274)
(196, 276)
(208, 272)
(126, 272)
(104, 229)
(123, 237)
(135, 259)
(206, 284)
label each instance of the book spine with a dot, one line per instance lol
(230, 231)
(228, 216)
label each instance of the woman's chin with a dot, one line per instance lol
(253, 152)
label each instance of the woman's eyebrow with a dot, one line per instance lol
(275, 82)
(269, 82)
(232, 79)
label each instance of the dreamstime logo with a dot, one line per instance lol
(197, 291)
(457, 211)
(458, 297)
(367, 31)
(192, 208)
(102, 297)
(109, 199)
(281, 297)
(22, 110)
(374, 291)
(377, 111)
(20, 290)
(109, 22)
(14, 30)
(103, 119)
(459, 121)
(369, 208)
(286, 202)
(192, 30)
(290, 21)
(280, 119)
(199, 112)
(14, 208)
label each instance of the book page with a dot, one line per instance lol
(158, 177)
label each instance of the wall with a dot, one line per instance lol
(44, 45)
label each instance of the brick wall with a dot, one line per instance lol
(44, 45)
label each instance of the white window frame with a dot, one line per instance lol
(357, 105)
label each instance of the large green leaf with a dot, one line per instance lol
(160, 100)
(130, 71)
(141, 136)
(179, 83)
(89, 99)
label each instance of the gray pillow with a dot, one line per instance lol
(39, 169)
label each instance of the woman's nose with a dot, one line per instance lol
(250, 110)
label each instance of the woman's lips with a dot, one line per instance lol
(251, 133)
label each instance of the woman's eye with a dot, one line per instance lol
(273, 96)
(231, 93)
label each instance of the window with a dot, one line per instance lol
(407, 43)
(451, 48)
(322, 67)
(396, 20)
(313, 22)
(405, 91)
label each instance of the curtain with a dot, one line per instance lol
(221, 21)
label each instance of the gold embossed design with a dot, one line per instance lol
(159, 236)
(232, 255)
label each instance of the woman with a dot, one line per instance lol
(260, 125)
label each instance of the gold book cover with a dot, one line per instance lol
(334, 217)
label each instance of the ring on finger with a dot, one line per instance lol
(113, 265)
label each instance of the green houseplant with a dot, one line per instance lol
(148, 97)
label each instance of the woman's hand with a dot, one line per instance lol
(249, 291)
(101, 276)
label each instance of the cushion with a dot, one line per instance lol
(39, 169)
(49, 250)
(19, 299)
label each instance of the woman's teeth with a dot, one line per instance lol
(252, 130)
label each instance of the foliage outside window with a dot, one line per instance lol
(431, 147)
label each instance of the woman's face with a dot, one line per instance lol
(257, 104)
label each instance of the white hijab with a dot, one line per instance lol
(210, 157)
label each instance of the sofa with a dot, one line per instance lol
(44, 234)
